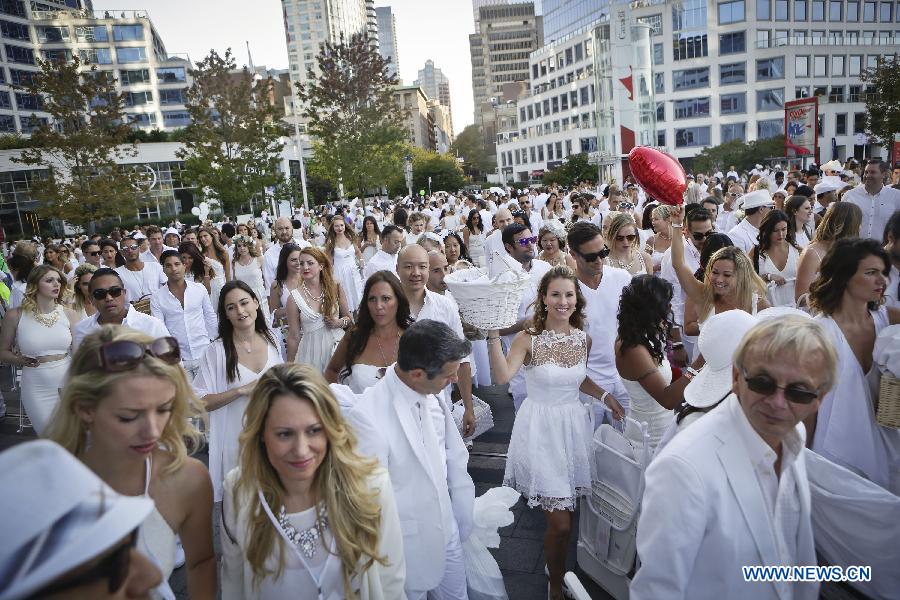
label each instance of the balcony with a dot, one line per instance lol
(824, 41)
(53, 15)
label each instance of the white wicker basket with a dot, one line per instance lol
(488, 303)
(484, 418)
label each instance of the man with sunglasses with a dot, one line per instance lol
(141, 279)
(108, 296)
(757, 205)
(66, 534)
(727, 218)
(602, 287)
(90, 250)
(731, 490)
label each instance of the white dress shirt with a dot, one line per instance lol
(148, 256)
(380, 261)
(440, 308)
(876, 209)
(136, 320)
(144, 282)
(744, 235)
(892, 293)
(193, 324)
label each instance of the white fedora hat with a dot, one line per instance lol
(719, 338)
(756, 199)
(829, 183)
(57, 515)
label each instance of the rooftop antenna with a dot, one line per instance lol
(250, 58)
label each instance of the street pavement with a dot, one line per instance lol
(520, 555)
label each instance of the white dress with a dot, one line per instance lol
(225, 423)
(41, 384)
(157, 541)
(217, 281)
(363, 377)
(317, 340)
(346, 272)
(549, 449)
(781, 295)
(644, 409)
(476, 250)
(252, 276)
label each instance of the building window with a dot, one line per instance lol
(855, 65)
(801, 66)
(731, 104)
(770, 99)
(15, 8)
(763, 10)
(171, 75)
(176, 118)
(5, 101)
(869, 11)
(837, 65)
(763, 38)
(29, 101)
(7, 124)
(859, 122)
(689, 79)
(818, 10)
(21, 78)
(690, 108)
(734, 131)
(18, 54)
(768, 69)
(885, 10)
(661, 138)
(769, 128)
(660, 112)
(836, 94)
(58, 55)
(30, 124)
(134, 76)
(91, 33)
(840, 124)
(732, 43)
(733, 73)
(128, 33)
(855, 94)
(781, 37)
(659, 85)
(130, 55)
(654, 21)
(138, 98)
(799, 10)
(781, 10)
(692, 136)
(658, 57)
(176, 96)
(801, 92)
(731, 12)
(686, 45)
(142, 120)
(852, 11)
(820, 68)
(17, 31)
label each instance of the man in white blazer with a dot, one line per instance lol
(405, 422)
(731, 491)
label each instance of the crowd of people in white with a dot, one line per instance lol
(319, 355)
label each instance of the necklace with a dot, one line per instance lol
(621, 263)
(308, 539)
(47, 320)
(320, 298)
(381, 350)
(248, 345)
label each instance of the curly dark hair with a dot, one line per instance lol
(474, 216)
(359, 334)
(645, 315)
(839, 265)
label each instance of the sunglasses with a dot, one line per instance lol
(735, 194)
(527, 241)
(95, 253)
(765, 385)
(129, 248)
(124, 355)
(702, 236)
(626, 238)
(113, 567)
(101, 293)
(592, 256)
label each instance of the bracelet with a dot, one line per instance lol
(604, 396)
(676, 345)
(493, 340)
(687, 375)
(678, 225)
(694, 372)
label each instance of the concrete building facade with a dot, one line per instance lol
(437, 87)
(387, 38)
(419, 123)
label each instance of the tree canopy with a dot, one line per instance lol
(358, 129)
(576, 169)
(739, 153)
(233, 145)
(469, 146)
(445, 172)
(883, 106)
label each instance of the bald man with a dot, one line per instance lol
(413, 268)
(284, 233)
(493, 245)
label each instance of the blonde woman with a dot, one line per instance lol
(304, 515)
(625, 246)
(842, 221)
(81, 282)
(124, 413)
(661, 240)
(248, 264)
(317, 312)
(730, 281)
(42, 329)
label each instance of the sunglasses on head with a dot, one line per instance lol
(124, 355)
(702, 236)
(592, 256)
(626, 238)
(765, 385)
(101, 293)
(114, 567)
(527, 241)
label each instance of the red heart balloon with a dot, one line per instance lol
(660, 174)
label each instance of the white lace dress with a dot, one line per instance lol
(549, 450)
(346, 272)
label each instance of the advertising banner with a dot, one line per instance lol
(801, 134)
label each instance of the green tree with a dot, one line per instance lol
(445, 172)
(233, 145)
(469, 146)
(576, 169)
(742, 155)
(883, 103)
(82, 147)
(357, 126)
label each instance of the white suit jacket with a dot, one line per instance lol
(386, 429)
(703, 517)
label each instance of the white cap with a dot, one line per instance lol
(719, 338)
(829, 183)
(138, 235)
(777, 312)
(756, 199)
(172, 230)
(57, 515)
(833, 165)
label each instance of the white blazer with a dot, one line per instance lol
(386, 430)
(703, 517)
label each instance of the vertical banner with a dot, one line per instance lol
(801, 128)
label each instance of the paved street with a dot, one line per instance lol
(520, 555)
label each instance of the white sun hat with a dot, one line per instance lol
(719, 338)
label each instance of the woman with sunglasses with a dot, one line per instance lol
(625, 252)
(304, 514)
(661, 240)
(125, 413)
(729, 283)
(849, 295)
(317, 312)
(776, 247)
(370, 346)
(42, 329)
(81, 291)
(229, 369)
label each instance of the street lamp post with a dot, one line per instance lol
(409, 174)
(298, 148)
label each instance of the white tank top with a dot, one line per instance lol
(36, 339)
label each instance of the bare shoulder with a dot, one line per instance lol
(189, 479)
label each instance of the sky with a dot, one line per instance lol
(435, 29)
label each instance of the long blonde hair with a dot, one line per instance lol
(87, 384)
(29, 302)
(747, 281)
(326, 280)
(341, 482)
(79, 300)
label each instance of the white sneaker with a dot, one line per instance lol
(179, 554)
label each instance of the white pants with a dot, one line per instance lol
(453, 585)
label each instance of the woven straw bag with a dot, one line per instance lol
(887, 412)
(488, 303)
